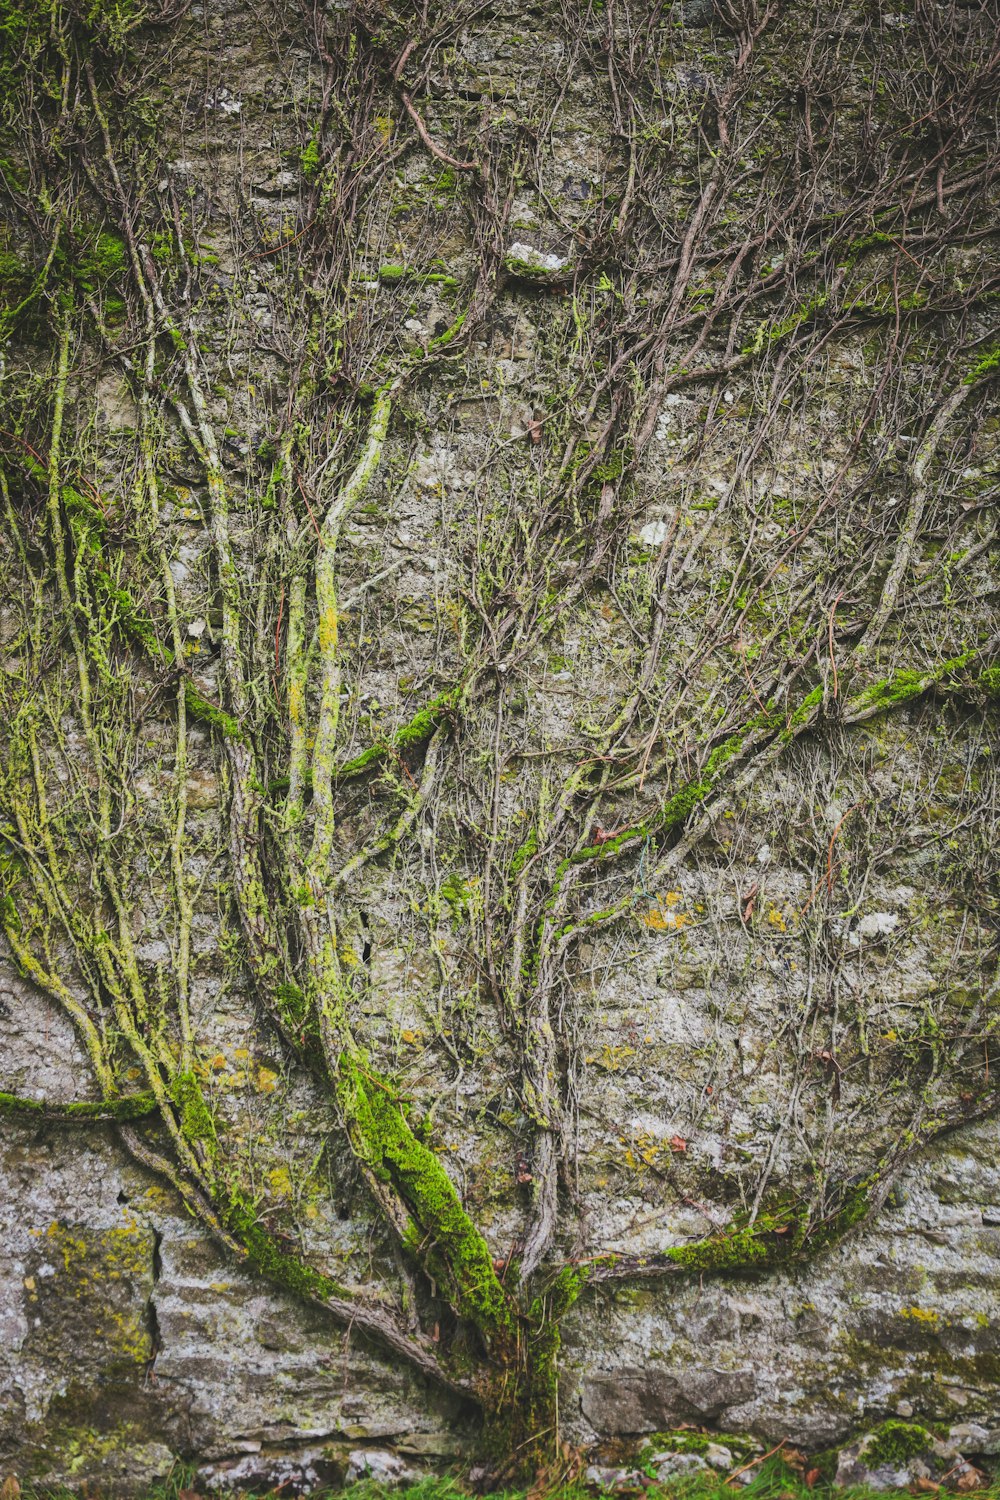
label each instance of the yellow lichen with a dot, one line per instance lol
(921, 1315)
(280, 1180)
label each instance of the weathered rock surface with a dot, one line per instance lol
(129, 1339)
(120, 1319)
(901, 1320)
(900, 1454)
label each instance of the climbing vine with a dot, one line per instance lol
(215, 388)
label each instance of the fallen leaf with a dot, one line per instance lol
(678, 1143)
(10, 1489)
(972, 1479)
(811, 1477)
(923, 1486)
(603, 835)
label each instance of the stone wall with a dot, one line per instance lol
(775, 1006)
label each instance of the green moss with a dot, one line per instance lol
(133, 1107)
(15, 277)
(445, 186)
(892, 692)
(909, 683)
(783, 1232)
(81, 508)
(736, 1250)
(292, 1003)
(987, 364)
(899, 688)
(394, 275)
(442, 340)
(288, 1271)
(197, 1122)
(804, 713)
(459, 894)
(524, 852)
(895, 1443)
(127, 614)
(297, 1016)
(309, 159)
(611, 468)
(769, 333)
(209, 713)
(86, 519)
(414, 732)
(103, 260)
(529, 270)
(685, 1440)
(678, 808)
(679, 1441)
(440, 1227)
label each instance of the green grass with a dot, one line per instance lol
(774, 1480)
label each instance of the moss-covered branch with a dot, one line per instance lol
(130, 1107)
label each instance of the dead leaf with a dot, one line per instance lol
(602, 835)
(10, 1489)
(972, 1479)
(923, 1486)
(811, 1477)
(188, 1495)
(678, 1143)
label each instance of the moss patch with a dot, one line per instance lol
(895, 1443)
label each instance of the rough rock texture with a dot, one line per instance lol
(129, 1339)
(902, 1453)
(902, 1320)
(120, 1318)
(771, 1028)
